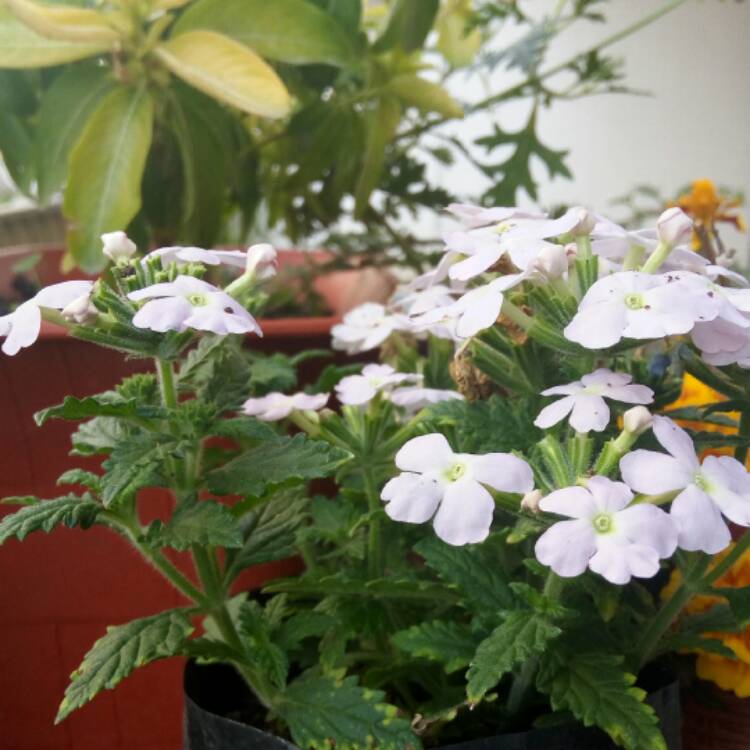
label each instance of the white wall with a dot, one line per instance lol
(696, 123)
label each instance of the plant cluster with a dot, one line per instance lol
(495, 546)
(197, 119)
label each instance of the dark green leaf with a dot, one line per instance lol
(408, 25)
(45, 515)
(134, 463)
(16, 150)
(103, 405)
(80, 477)
(204, 523)
(256, 634)
(452, 644)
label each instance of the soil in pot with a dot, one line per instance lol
(219, 711)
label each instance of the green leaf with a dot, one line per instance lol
(227, 71)
(123, 649)
(425, 95)
(256, 634)
(291, 31)
(595, 689)
(739, 603)
(65, 108)
(408, 25)
(474, 569)
(65, 22)
(324, 714)
(244, 428)
(106, 168)
(287, 460)
(696, 644)
(452, 644)
(109, 404)
(45, 515)
(205, 522)
(523, 635)
(272, 373)
(20, 47)
(98, 435)
(135, 462)
(81, 477)
(15, 148)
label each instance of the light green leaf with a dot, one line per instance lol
(108, 404)
(66, 106)
(106, 168)
(226, 70)
(20, 47)
(595, 689)
(291, 31)
(451, 643)
(408, 25)
(45, 515)
(425, 95)
(15, 149)
(65, 22)
(287, 460)
(324, 714)
(523, 635)
(204, 523)
(98, 435)
(122, 650)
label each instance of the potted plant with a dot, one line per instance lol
(480, 565)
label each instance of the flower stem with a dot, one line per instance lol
(375, 562)
(166, 383)
(656, 258)
(740, 452)
(613, 451)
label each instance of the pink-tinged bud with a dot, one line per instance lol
(531, 501)
(552, 261)
(585, 225)
(118, 247)
(674, 227)
(261, 260)
(637, 420)
(80, 310)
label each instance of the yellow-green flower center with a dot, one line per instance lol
(634, 301)
(455, 472)
(603, 523)
(197, 299)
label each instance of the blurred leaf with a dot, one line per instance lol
(65, 108)
(20, 47)
(106, 167)
(408, 25)
(64, 22)
(226, 70)
(15, 147)
(292, 31)
(458, 41)
(425, 95)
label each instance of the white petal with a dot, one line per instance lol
(608, 495)
(564, 390)
(567, 547)
(649, 525)
(166, 289)
(355, 390)
(597, 326)
(630, 394)
(675, 440)
(554, 413)
(502, 471)
(729, 487)
(465, 513)
(575, 502)
(425, 453)
(589, 413)
(61, 295)
(311, 402)
(653, 473)
(618, 561)
(411, 498)
(699, 522)
(604, 376)
(480, 312)
(217, 320)
(25, 324)
(475, 264)
(167, 314)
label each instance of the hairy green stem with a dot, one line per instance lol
(375, 562)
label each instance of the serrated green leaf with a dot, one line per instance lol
(595, 689)
(452, 644)
(109, 404)
(45, 515)
(256, 635)
(313, 37)
(304, 624)
(739, 603)
(134, 463)
(205, 522)
(65, 108)
(123, 649)
(81, 477)
(324, 714)
(97, 436)
(105, 171)
(209, 651)
(474, 570)
(272, 373)
(244, 428)
(287, 460)
(523, 635)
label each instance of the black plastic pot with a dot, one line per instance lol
(215, 693)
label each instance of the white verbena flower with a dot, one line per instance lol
(260, 260)
(275, 406)
(723, 343)
(478, 216)
(436, 482)
(720, 485)
(356, 390)
(604, 534)
(636, 305)
(21, 327)
(414, 398)
(188, 302)
(167, 255)
(674, 227)
(365, 327)
(584, 400)
(118, 247)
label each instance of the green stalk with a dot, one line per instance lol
(375, 561)
(660, 254)
(613, 451)
(556, 461)
(166, 383)
(740, 452)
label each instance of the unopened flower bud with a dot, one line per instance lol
(674, 227)
(261, 260)
(552, 261)
(118, 247)
(531, 501)
(80, 310)
(637, 420)
(585, 225)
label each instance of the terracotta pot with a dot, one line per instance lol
(716, 720)
(60, 592)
